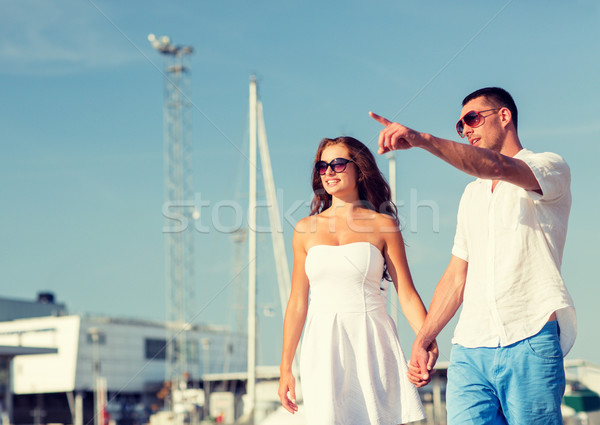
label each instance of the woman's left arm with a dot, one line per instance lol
(397, 264)
(412, 306)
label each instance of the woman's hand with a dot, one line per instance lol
(418, 375)
(287, 384)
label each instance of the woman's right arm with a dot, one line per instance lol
(295, 316)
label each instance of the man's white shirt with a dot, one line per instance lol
(513, 241)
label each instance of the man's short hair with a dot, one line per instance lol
(497, 97)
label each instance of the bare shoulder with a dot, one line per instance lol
(389, 231)
(385, 223)
(303, 230)
(372, 215)
(303, 225)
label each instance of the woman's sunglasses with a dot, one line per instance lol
(473, 119)
(338, 165)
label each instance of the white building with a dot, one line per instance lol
(130, 355)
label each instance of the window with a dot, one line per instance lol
(156, 349)
(101, 338)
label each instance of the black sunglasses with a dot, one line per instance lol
(338, 165)
(473, 119)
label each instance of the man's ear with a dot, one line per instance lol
(505, 116)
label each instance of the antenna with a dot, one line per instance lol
(179, 196)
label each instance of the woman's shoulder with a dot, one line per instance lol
(305, 224)
(382, 221)
(302, 225)
(307, 227)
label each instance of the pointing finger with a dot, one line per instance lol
(381, 120)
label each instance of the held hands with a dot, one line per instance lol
(420, 367)
(287, 384)
(395, 136)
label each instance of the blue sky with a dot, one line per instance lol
(82, 166)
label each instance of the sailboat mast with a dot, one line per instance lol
(281, 263)
(251, 385)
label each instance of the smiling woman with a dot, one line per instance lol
(352, 365)
(373, 190)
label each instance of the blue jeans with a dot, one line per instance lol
(522, 383)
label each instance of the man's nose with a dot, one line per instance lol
(467, 129)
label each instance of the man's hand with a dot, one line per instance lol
(420, 368)
(395, 136)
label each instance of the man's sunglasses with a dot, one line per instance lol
(338, 165)
(473, 119)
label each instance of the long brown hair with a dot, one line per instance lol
(373, 190)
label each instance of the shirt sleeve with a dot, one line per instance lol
(552, 173)
(460, 247)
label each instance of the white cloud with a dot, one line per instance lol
(60, 37)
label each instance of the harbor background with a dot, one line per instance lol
(82, 162)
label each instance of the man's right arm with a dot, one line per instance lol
(447, 298)
(478, 162)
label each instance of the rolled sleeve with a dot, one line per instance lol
(551, 171)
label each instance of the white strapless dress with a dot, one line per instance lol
(353, 370)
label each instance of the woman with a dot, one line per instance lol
(352, 366)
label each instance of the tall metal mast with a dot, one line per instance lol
(281, 263)
(392, 294)
(259, 145)
(251, 386)
(179, 246)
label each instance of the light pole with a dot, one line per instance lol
(393, 300)
(95, 334)
(179, 244)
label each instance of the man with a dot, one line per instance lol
(517, 319)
